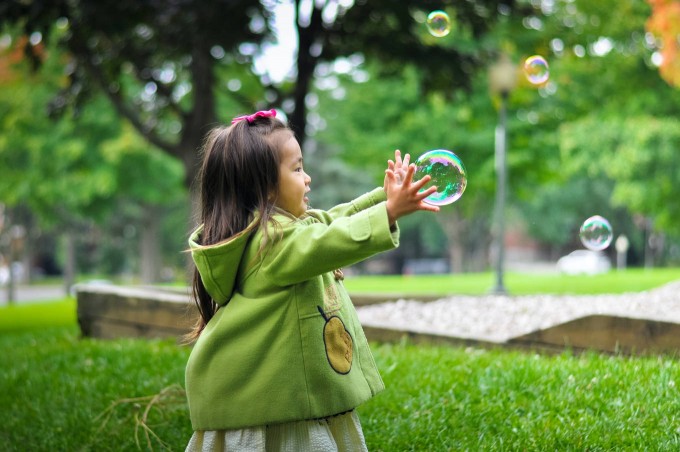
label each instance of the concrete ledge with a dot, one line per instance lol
(382, 334)
(109, 311)
(363, 299)
(609, 334)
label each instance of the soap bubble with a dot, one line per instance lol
(596, 233)
(536, 69)
(438, 24)
(447, 173)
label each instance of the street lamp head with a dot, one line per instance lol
(503, 75)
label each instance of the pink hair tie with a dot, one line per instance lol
(260, 114)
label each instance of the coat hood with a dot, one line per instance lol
(218, 264)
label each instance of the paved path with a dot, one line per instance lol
(33, 294)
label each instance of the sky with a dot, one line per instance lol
(277, 60)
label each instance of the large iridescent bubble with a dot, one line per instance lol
(596, 233)
(448, 175)
(438, 24)
(536, 69)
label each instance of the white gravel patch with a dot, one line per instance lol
(498, 318)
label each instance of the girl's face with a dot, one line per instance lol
(293, 181)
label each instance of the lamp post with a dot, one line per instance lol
(502, 79)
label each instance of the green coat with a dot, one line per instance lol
(286, 343)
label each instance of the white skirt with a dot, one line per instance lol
(340, 433)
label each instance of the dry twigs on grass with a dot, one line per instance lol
(168, 396)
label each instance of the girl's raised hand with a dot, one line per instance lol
(404, 195)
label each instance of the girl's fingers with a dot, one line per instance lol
(397, 157)
(407, 158)
(421, 182)
(408, 179)
(425, 193)
(429, 207)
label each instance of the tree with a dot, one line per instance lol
(639, 155)
(665, 23)
(602, 70)
(155, 61)
(601, 67)
(161, 63)
(368, 120)
(75, 170)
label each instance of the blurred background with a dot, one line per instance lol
(104, 105)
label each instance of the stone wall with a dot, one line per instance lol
(107, 311)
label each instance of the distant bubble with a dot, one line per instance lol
(447, 173)
(536, 69)
(438, 24)
(596, 233)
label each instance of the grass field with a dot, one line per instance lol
(59, 391)
(631, 280)
(21, 317)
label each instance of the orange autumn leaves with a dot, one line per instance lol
(664, 23)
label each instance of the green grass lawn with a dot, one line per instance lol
(19, 317)
(59, 391)
(630, 280)
(55, 389)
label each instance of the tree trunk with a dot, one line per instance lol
(468, 241)
(453, 229)
(150, 245)
(11, 285)
(306, 64)
(69, 261)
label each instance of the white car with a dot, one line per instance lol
(584, 261)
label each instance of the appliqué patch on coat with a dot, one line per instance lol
(338, 343)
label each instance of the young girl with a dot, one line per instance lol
(280, 359)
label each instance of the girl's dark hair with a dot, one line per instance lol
(237, 180)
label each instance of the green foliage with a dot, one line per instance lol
(394, 33)
(376, 117)
(373, 118)
(83, 168)
(143, 173)
(421, 93)
(604, 94)
(55, 166)
(630, 152)
(78, 166)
